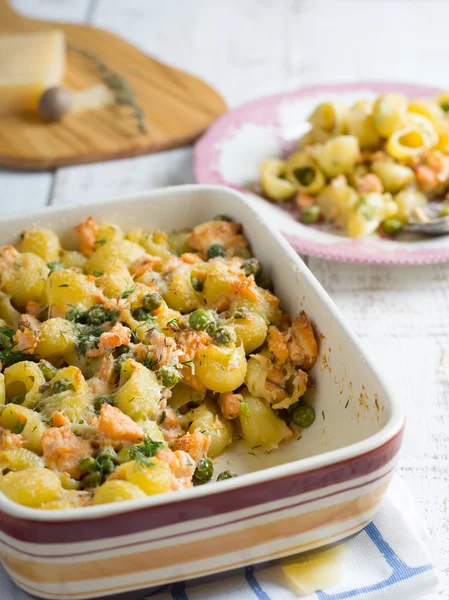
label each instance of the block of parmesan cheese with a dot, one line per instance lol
(29, 64)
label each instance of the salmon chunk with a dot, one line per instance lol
(115, 425)
(63, 450)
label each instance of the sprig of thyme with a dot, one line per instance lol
(123, 92)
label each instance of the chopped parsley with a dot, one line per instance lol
(9, 356)
(162, 417)
(188, 363)
(142, 452)
(149, 362)
(76, 315)
(95, 315)
(102, 400)
(6, 335)
(87, 338)
(127, 293)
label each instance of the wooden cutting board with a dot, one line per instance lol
(177, 107)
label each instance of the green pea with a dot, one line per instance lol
(264, 282)
(89, 465)
(62, 385)
(106, 453)
(77, 315)
(108, 460)
(305, 175)
(17, 399)
(152, 301)
(202, 320)
(225, 336)
(204, 470)
(197, 284)
(392, 226)
(141, 314)
(107, 466)
(102, 400)
(114, 315)
(310, 214)
(168, 376)
(226, 475)
(303, 416)
(215, 250)
(444, 211)
(224, 218)
(47, 369)
(97, 315)
(92, 480)
(252, 266)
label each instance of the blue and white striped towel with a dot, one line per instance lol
(388, 560)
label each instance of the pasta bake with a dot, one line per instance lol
(130, 364)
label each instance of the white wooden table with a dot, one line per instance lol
(247, 48)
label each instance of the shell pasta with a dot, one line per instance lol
(129, 364)
(369, 167)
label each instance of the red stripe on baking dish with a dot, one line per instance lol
(210, 527)
(152, 517)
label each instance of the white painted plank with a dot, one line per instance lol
(23, 191)
(349, 40)
(53, 10)
(99, 181)
(236, 46)
(401, 316)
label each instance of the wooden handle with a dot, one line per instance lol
(6, 10)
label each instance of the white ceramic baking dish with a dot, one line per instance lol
(320, 488)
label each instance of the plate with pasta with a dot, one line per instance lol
(344, 171)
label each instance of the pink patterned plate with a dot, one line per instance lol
(231, 150)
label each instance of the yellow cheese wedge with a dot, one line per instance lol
(29, 64)
(315, 570)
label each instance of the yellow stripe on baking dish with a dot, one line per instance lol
(53, 572)
(196, 574)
